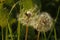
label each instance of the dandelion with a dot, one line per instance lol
(45, 22)
(42, 22)
(24, 14)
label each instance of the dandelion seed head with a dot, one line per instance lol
(24, 14)
(45, 22)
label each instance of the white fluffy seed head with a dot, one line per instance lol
(45, 22)
(22, 17)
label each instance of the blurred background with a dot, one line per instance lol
(13, 8)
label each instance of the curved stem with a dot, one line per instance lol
(8, 19)
(10, 30)
(55, 36)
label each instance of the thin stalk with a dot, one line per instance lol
(26, 35)
(57, 14)
(38, 36)
(13, 7)
(55, 36)
(10, 30)
(45, 36)
(18, 30)
(6, 33)
(51, 30)
(2, 34)
(56, 21)
(8, 19)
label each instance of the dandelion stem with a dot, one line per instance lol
(38, 36)
(26, 35)
(45, 36)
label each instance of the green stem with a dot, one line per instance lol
(18, 30)
(57, 14)
(38, 36)
(51, 30)
(56, 21)
(45, 36)
(55, 36)
(2, 35)
(8, 19)
(13, 7)
(10, 30)
(6, 33)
